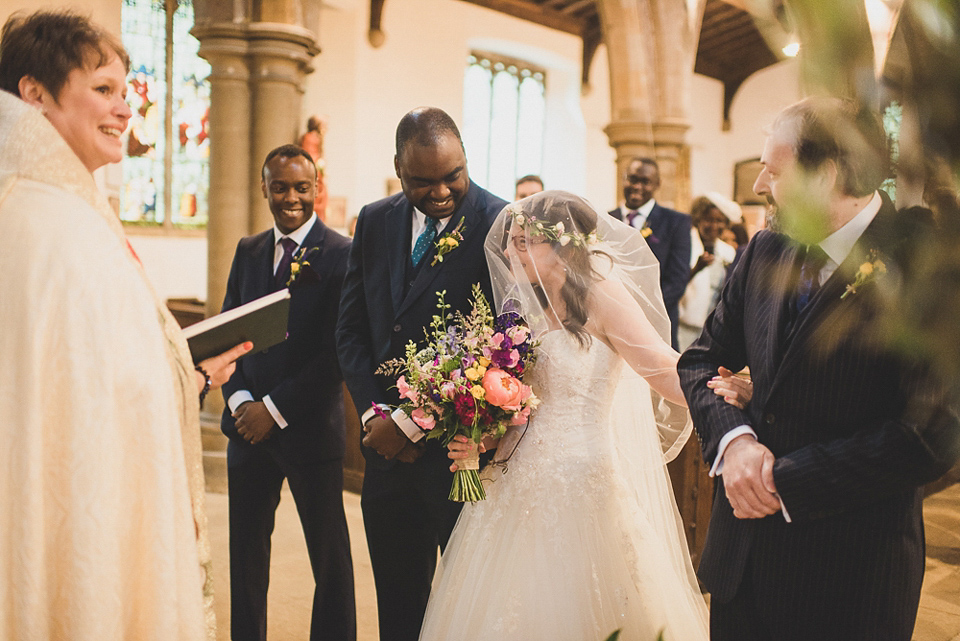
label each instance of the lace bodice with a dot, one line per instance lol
(567, 448)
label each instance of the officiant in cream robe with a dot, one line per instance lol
(102, 528)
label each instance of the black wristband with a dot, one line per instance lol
(207, 382)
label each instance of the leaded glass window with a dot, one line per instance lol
(503, 120)
(166, 168)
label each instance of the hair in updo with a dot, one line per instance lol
(576, 255)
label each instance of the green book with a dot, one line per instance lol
(262, 321)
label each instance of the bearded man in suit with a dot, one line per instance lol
(389, 297)
(667, 232)
(817, 531)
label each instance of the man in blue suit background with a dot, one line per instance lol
(284, 414)
(389, 297)
(667, 232)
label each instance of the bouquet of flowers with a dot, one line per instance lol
(467, 380)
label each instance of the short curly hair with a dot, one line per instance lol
(48, 45)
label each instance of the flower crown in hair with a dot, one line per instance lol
(555, 232)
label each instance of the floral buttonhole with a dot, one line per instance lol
(866, 273)
(298, 263)
(448, 242)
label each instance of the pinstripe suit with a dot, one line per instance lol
(855, 429)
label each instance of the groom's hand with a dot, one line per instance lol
(748, 478)
(254, 421)
(383, 435)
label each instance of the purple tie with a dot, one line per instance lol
(283, 269)
(633, 213)
(809, 283)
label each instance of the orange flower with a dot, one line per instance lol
(503, 390)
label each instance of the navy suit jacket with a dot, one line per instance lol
(301, 375)
(856, 428)
(386, 303)
(670, 243)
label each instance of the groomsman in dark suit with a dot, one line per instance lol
(817, 530)
(667, 232)
(389, 297)
(284, 412)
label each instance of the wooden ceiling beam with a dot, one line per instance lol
(577, 5)
(534, 13)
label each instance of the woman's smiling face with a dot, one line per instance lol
(91, 112)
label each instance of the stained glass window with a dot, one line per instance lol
(165, 175)
(503, 115)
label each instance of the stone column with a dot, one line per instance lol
(280, 58)
(651, 45)
(224, 46)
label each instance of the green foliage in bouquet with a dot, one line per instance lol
(467, 381)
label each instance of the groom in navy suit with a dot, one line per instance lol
(284, 414)
(667, 232)
(817, 531)
(389, 298)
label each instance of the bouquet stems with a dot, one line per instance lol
(466, 480)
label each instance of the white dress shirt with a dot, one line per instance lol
(643, 212)
(241, 396)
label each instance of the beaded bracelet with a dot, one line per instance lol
(207, 382)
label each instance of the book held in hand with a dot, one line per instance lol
(262, 321)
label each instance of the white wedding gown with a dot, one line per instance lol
(569, 545)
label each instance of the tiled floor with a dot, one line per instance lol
(291, 586)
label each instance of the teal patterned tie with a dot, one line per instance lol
(423, 241)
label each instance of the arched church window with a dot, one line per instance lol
(166, 168)
(504, 108)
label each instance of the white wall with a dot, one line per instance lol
(365, 91)
(714, 152)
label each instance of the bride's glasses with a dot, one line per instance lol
(520, 242)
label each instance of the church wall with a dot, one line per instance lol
(714, 152)
(364, 91)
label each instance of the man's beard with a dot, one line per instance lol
(773, 219)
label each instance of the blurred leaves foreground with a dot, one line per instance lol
(922, 73)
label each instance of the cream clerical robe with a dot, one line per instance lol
(101, 481)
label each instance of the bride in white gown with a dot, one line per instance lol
(580, 534)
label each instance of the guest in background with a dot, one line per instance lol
(284, 413)
(102, 528)
(711, 214)
(667, 232)
(740, 238)
(528, 186)
(312, 142)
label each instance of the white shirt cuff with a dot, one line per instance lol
(274, 412)
(406, 425)
(237, 399)
(371, 412)
(242, 396)
(717, 469)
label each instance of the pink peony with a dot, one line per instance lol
(520, 417)
(424, 420)
(503, 390)
(405, 390)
